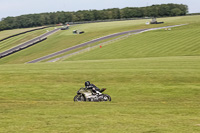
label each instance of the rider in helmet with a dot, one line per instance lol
(92, 87)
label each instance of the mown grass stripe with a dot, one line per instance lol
(178, 41)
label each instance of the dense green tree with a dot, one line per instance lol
(96, 14)
(164, 10)
(176, 12)
(116, 13)
(32, 20)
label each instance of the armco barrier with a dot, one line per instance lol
(28, 43)
(17, 49)
(22, 33)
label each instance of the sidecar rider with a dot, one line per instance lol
(94, 89)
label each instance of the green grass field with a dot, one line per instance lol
(180, 41)
(159, 94)
(14, 41)
(153, 79)
(7, 33)
(65, 39)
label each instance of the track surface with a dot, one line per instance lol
(83, 44)
(28, 43)
(96, 40)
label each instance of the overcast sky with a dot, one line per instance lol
(20, 7)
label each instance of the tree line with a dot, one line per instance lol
(32, 20)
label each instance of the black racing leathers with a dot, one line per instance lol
(93, 88)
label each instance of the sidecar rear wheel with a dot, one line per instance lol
(79, 98)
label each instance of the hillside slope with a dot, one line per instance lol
(65, 39)
(17, 40)
(153, 79)
(179, 41)
(158, 94)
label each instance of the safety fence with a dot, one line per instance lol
(22, 33)
(19, 48)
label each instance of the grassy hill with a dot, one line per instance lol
(7, 33)
(14, 41)
(180, 41)
(148, 95)
(153, 79)
(65, 39)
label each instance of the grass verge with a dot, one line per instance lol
(148, 95)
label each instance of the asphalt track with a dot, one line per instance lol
(83, 44)
(24, 45)
(96, 40)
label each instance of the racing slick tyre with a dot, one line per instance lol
(106, 97)
(79, 98)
